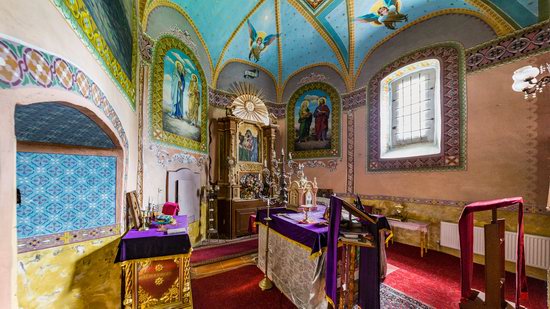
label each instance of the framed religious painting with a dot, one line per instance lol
(313, 122)
(249, 141)
(178, 96)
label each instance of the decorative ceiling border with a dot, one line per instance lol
(77, 15)
(492, 23)
(217, 69)
(529, 41)
(166, 3)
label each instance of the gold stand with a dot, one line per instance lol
(266, 284)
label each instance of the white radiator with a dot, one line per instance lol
(537, 248)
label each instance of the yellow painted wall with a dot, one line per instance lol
(80, 275)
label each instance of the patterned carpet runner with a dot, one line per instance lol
(216, 253)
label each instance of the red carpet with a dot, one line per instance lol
(236, 289)
(208, 255)
(435, 279)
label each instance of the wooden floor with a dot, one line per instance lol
(223, 266)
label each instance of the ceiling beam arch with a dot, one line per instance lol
(281, 90)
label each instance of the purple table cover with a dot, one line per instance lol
(152, 243)
(313, 236)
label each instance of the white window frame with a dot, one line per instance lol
(387, 151)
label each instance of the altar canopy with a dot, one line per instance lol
(466, 230)
(370, 259)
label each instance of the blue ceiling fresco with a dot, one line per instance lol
(340, 33)
(57, 123)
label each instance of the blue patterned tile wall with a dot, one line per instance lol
(62, 192)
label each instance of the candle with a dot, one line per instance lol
(282, 152)
(265, 162)
(290, 155)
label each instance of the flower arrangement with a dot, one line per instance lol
(251, 186)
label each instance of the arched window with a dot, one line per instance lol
(410, 111)
(416, 111)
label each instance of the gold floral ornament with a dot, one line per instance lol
(248, 103)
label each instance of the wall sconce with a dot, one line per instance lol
(525, 80)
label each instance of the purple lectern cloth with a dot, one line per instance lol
(369, 258)
(311, 235)
(466, 232)
(152, 243)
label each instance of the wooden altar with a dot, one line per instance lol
(246, 138)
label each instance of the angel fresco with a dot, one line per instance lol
(258, 42)
(387, 15)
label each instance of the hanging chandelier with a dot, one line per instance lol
(525, 80)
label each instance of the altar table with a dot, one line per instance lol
(296, 255)
(155, 268)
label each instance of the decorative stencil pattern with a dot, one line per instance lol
(28, 67)
(59, 124)
(530, 41)
(354, 99)
(453, 111)
(61, 192)
(350, 185)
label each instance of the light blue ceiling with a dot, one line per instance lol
(216, 19)
(56, 123)
(327, 33)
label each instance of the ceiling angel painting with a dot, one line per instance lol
(384, 12)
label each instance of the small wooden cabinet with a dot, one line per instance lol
(233, 216)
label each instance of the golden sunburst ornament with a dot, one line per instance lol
(248, 103)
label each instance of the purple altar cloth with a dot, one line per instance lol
(152, 243)
(285, 222)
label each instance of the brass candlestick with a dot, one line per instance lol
(144, 215)
(265, 283)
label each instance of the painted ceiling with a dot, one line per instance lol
(285, 36)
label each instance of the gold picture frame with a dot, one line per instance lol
(133, 209)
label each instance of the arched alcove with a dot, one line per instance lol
(68, 174)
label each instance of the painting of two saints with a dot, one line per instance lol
(181, 97)
(311, 121)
